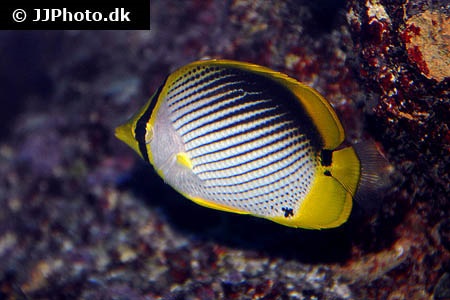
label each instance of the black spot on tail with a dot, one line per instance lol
(326, 157)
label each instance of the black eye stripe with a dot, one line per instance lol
(141, 125)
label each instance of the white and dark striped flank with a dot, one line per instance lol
(250, 142)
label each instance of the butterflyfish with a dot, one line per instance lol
(242, 138)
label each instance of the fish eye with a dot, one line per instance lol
(148, 133)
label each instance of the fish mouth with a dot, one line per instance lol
(124, 133)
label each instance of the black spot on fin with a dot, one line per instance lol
(288, 212)
(326, 157)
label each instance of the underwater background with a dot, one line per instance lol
(82, 217)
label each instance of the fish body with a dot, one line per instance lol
(243, 138)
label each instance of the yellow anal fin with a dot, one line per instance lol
(213, 205)
(327, 205)
(184, 160)
(330, 200)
